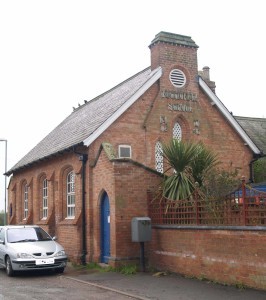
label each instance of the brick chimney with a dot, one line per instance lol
(205, 74)
(175, 43)
(174, 51)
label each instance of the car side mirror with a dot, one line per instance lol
(2, 242)
(54, 238)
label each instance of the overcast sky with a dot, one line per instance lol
(55, 54)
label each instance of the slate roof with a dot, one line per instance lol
(255, 129)
(84, 120)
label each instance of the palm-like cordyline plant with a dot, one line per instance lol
(203, 162)
(189, 163)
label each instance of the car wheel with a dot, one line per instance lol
(9, 269)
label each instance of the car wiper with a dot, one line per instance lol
(26, 240)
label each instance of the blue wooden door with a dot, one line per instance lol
(105, 229)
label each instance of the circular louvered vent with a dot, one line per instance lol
(177, 78)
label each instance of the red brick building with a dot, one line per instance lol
(87, 179)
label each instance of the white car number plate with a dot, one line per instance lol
(44, 261)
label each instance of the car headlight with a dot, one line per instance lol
(60, 253)
(24, 255)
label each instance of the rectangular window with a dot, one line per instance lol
(71, 195)
(26, 207)
(159, 157)
(124, 151)
(45, 199)
(70, 206)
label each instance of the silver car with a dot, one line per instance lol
(29, 247)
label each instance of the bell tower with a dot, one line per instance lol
(177, 55)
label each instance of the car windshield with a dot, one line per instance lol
(27, 234)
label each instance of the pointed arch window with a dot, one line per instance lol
(71, 195)
(159, 157)
(177, 132)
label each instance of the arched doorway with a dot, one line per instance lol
(105, 229)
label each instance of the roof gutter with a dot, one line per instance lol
(229, 117)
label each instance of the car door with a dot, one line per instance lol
(2, 246)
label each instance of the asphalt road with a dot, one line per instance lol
(48, 286)
(80, 284)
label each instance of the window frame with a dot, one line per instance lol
(70, 195)
(126, 147)
(44, 199)
(159, 157)
(25, 201)
(179, 137)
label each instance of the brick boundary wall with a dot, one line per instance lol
(235, 256)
